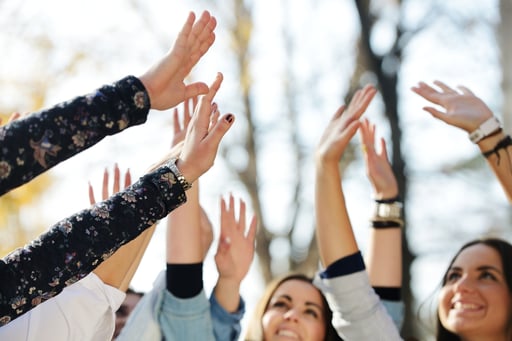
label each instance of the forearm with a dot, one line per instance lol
(334, 233)
(36, 143)
(499, 161)
(226, 325)
(119, 269)
(77, 245)
(384, 257)
(227, 294)
(184, 231)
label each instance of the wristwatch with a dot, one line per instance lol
(388, 210)
(487, 128)
(181, 179)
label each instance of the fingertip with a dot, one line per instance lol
(229, 118)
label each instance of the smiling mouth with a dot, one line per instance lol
(287, 333)
(465, 306)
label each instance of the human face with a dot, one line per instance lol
(475, 300)
(295, 312)
(124, 311)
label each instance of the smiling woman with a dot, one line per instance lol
(292, 297)
(475, 298)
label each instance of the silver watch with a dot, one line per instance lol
(181, 179)
(388, 210)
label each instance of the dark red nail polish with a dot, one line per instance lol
(229, 118)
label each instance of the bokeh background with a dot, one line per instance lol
(287, 66)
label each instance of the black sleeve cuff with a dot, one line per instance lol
(185, 280)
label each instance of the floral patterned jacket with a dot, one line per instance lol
(73, 247)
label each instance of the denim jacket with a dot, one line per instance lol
(160, 315)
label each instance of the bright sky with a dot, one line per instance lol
(119, 42)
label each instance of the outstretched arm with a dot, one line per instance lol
(34, 144)
(334, 232)
(464, 110)
(357, 311)
(234, 256)
(184, 224)
(384, 257)
(75, 246)
(119, 269)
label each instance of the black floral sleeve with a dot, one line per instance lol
(74, 247)
(34, 144)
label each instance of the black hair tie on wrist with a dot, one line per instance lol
(387, 224)
(388, 201)
(503, 144)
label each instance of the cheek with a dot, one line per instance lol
(444, 302)
(502, 303)
(316, 329)
(269, 320)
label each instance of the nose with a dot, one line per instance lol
(464, 284)
(291, 315)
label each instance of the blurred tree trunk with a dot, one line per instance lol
(241, 34)
(386, 69)
(504, 29)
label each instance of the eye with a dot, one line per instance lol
(452, 276)
(488, 275)
(312, 313)
(279, 304)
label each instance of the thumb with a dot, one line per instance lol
(195, 89)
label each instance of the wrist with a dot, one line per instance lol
(228, 283)
(386, 197)
(387, 213)
(178, 173)
(491, 141)
(489, 127)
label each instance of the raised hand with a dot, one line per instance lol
(180, 129)
(378, 168)
(235, 252)
(165, 81)
(115, 187)
(203, 135)
(343, 126)
(236, 247)
(461, 109)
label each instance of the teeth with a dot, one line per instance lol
(287, 333)
(460, 305)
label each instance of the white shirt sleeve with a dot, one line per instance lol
(84, 310)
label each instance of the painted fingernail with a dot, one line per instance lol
(229, 118)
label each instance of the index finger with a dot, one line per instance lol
(427, 92)
(214, 87)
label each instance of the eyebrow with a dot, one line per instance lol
(308, 303)
(480, 268)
